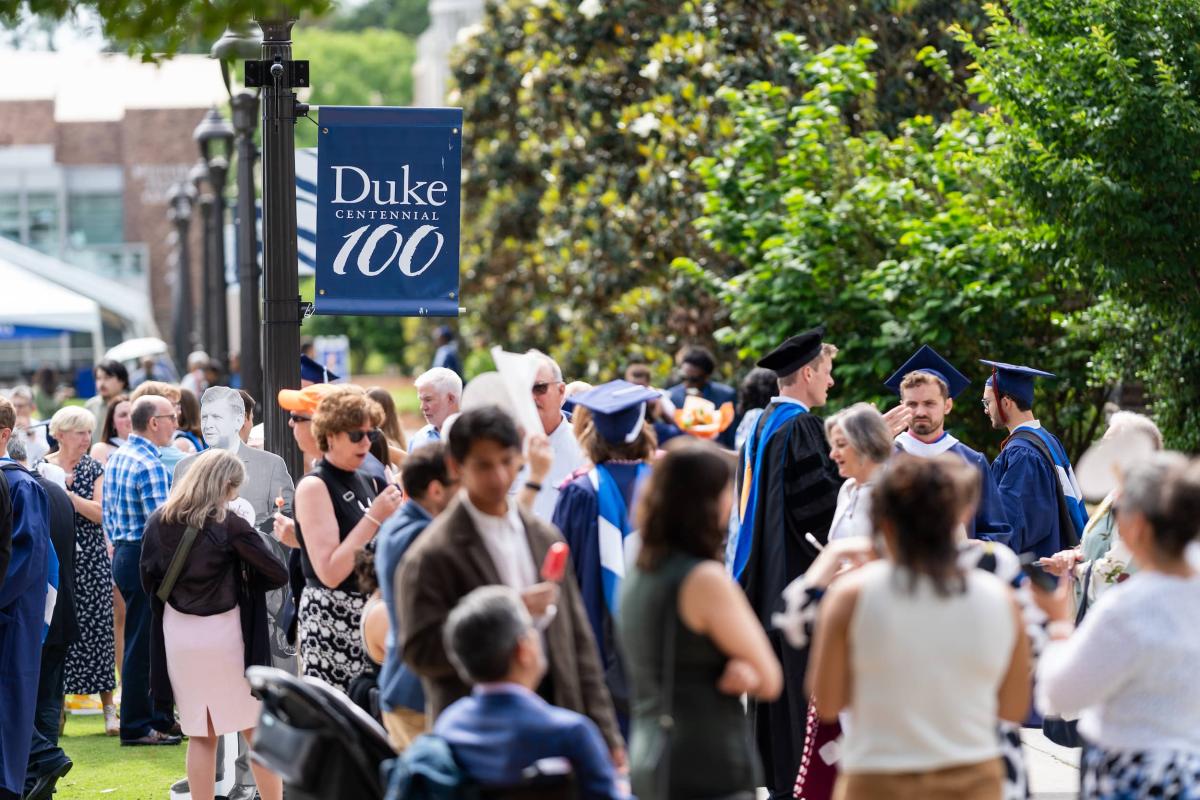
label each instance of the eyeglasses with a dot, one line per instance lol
(357, 436)
(296, 419)
(163, 416)
(541, 388)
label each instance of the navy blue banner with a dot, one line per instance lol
(388, 202)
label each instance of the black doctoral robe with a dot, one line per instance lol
(797, 494)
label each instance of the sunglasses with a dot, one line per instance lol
(541, 388)
(296, 419)
(357, 436)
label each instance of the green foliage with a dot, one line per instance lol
(155, 28)
(359, 68)
(580, 131)
(369, 336)
(406, 16)
(1099, 105)
(891, 241)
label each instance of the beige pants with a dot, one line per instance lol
(982, 781)
(403, 725)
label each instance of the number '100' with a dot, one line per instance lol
(405, 250)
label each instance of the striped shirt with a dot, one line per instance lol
(135, 483)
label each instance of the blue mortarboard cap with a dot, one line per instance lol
(929, 360)
(619, 408)
(794, 353)
(312, 371)
(1014, 380)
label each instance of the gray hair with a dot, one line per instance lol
(1128, 421)
(555, 369)
(71, 418)
(1143, 489)
(865, 430)
(442, 381)
(215, 394)
(16, 449)
(482, 632)
(142, 411)
(22, 391)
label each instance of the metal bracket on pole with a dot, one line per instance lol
(258, 73)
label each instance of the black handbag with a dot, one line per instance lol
(1058, 730)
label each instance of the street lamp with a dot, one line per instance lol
(279, 76)
(236, 44)
(215, 135)
(198, 177)
(179, 212)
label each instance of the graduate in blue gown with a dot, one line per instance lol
(23, 616)
(1037, 482)
(595, 511)
(927, 385)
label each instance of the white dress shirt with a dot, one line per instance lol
(506, 542)
(567, 459)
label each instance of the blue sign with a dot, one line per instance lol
(388, 202)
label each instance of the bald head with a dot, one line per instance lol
(153, 416)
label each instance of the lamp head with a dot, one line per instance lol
(239, 41)
(179, 201)
(214, 131)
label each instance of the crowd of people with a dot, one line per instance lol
(684, 592)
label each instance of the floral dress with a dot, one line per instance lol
(91, 659)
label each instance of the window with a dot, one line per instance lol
(95, 219)
(10, 216)
(43, 221)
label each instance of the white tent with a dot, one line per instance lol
(29, 301)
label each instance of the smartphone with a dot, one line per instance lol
(1039, 577)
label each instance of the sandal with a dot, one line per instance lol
(112, 726)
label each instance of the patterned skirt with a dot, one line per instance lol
(1126, 775)
(91, 659)
(330, 640)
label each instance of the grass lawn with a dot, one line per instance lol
(105, 769)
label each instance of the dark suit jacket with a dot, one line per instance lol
(64, 627)
(446, 563)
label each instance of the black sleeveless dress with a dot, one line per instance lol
(329, 618)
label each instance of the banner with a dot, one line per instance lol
(388, 202)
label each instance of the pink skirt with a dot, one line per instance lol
(206, 663)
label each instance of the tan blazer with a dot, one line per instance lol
(447, 562)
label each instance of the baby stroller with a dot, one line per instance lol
(325, 747)
(312, 736)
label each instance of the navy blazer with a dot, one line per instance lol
(501, 729)
(399, 686)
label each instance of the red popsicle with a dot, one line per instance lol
(555, 564)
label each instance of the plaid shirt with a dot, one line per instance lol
(135, 483)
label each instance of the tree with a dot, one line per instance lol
(410, 17)
(357, 68)
(155, 28)
(582, 120)
(1098, 102)
(891, 241)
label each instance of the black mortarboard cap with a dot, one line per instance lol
(794, 353)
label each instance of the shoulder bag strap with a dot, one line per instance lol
(177, 562)
(1066, 523)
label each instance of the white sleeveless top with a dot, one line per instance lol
(925, 672)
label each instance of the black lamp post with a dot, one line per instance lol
(279, 76)
(235, 44)
(179, 211)
(203, 200)
(215, 135)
